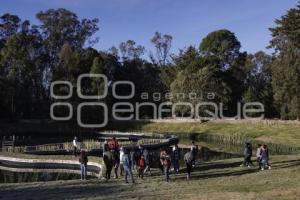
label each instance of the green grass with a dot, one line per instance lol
(275, 133)
(270, 133)
(223, 179)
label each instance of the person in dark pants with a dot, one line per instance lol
(175, 158)
(83, 160)
(116, 162)
(194, 149)
(132, 160)
(105, 147)
(137, 156)
(188, 159)
(108, 161)
(248, 154)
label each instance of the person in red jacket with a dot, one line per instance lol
(142, 165)
(113, 144)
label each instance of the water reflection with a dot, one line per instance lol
(18, 177)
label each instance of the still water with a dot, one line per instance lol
(18, 177)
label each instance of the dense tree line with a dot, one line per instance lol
(61, 48)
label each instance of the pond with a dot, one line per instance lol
(18, 177)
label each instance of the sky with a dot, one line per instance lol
(188, 21)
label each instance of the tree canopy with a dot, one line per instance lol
(61, 48)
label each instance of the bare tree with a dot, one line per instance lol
(162, 44)
(129, 50)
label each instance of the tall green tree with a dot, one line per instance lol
(22, 65)
(200, 76)
(60, 27)
(224, 47)
(286, 67)
(258, 83)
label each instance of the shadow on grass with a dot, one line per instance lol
(201, 170)
(285, 164)
(113, 189)
(66, 191)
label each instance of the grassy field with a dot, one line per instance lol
(223, 179)
(285, 138)
(277, 133)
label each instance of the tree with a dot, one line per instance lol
(67, 65)
(59, 27)
(22, 65)
(162, 44)
(129, 50)
(199, 75)
(97, 68)
(32, 56)
(258, 83)
(10, 24)
(286, 67)
(222, 44)
(224, 47)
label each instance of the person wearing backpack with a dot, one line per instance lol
(83, 160)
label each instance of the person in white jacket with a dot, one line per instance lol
(258, 155)
(75, 145)
(121, 161)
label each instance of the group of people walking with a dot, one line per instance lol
(262, 156)
(124, 161)
(139, 159)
